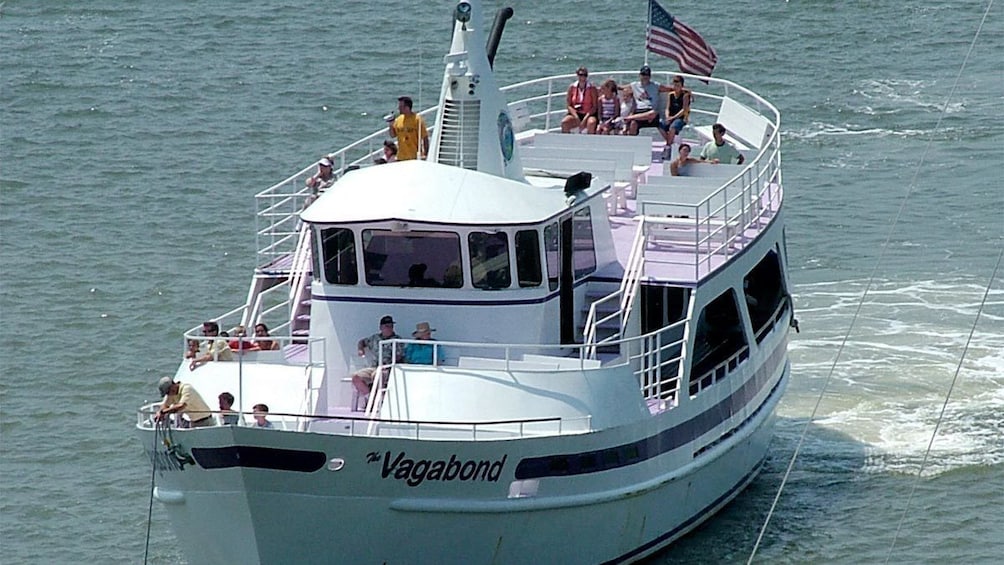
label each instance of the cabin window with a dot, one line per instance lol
(719, 342)
(489, 260)
(583, 251)
(338, 246)
(552, 245)
(528, 258)
(412, 258)
(765, 294)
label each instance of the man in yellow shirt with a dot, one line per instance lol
(409, 128)
(182, 398)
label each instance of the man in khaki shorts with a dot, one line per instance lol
(369, 348)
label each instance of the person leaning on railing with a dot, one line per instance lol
(216, 349)
(182, 398)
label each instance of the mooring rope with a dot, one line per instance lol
(153, 478)
(944, 408)
(861, 301)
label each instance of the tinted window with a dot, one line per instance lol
(719, 340)
(489, 260)
(764, 291)
(583, 253)
(412, 258)
(339, 248)
(528, 258)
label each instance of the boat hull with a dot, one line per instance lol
(378, 508)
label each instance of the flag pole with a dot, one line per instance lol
(648, 25)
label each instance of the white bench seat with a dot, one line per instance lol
(639, 146)
(603, 171)
(745, 128)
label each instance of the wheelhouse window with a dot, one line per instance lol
(528, 258)
(765, 294)
(489, 260)
(552, 245)
(583, 249)
(412, 258)
(338, 246)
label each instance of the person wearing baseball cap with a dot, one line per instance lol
(648, 104)
(182, 398)
(325, 175)
(369, 347)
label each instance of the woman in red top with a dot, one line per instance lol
(582, 102)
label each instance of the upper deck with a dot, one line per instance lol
(693, 224)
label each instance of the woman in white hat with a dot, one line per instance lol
(325, 176)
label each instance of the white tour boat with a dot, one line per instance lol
(611, 347)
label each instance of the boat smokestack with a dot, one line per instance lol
(495, 36)
(473, 127)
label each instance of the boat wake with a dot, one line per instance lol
(889, 385)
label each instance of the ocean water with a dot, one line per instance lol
(133, 136)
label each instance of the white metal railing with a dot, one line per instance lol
(417, 429)
(293, 351)
(630, 282)
(654, 358)
(299, 270)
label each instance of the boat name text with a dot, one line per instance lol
(414, 472)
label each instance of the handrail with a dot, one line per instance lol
(635, 269)
(298, 270)
(627, 291)
(635, 346)
(144, 420)
(256, 314)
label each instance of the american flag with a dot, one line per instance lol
(669, 37)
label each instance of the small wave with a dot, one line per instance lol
(905, 93)
(819, 129)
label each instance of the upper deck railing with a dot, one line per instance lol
(752, 196)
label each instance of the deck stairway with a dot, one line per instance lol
(607, 326)
(299, 286)
(607, 319)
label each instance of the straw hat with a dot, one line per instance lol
(422, 328)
